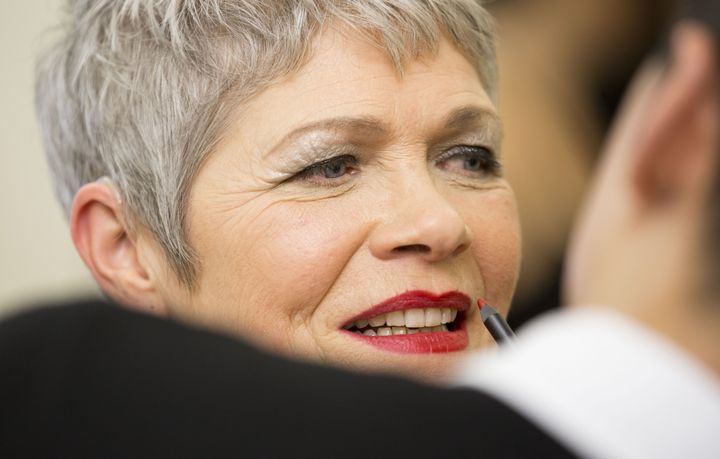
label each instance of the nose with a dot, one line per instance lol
(421, 223)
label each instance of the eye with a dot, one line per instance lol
(330, 171)
(468, 160)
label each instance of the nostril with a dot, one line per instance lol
(460, 249)
(419, 248)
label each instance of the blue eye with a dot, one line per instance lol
(333, 169)
(473, 164)
(330, 170)
(469, 160)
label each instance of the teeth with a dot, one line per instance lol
(396, 318)
(433, 317)
(414, 318)
(406, 322)
(384, 331)
(446, 316)
(388, 331)
(378, 321)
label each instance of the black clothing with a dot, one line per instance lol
(93, 380)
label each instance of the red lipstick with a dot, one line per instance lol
(425, 342)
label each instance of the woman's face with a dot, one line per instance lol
(347, 198)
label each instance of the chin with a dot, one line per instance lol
(429, 369)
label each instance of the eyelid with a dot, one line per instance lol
(486, 135)
(492, 164)
(312, 175)
(305, 156)
(452, 151)
(350, 159)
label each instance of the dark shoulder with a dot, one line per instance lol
(91, 379)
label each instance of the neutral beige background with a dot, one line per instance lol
(37, 259)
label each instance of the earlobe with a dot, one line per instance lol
(678, 143)
(102, 239)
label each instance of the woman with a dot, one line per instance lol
(320, 177)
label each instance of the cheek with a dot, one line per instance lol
(271, 269)
(305, 248)
(496, 246)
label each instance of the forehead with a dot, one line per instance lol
(349, 77)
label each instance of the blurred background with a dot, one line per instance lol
(37, 258)
(564, 65)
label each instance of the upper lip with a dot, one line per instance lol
(416, 299)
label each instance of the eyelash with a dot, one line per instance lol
(487, 163)
(315, 172)
(347, 165)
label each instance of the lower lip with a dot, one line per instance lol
(419, 343)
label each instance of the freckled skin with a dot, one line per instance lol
(285, 265)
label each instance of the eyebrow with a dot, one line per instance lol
(474, 118)
(371, 128)
(470, 116)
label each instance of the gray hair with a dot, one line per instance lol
(140, 91)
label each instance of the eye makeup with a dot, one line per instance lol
(329, 172)
(301, 157)
(475, 161)
(466, 146)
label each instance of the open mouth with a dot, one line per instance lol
(408, 322)
(414, 322)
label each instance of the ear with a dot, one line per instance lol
(677, 149)
(101, 238)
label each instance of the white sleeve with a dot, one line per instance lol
(606, 387)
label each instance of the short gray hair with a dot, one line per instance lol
(140, 91)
